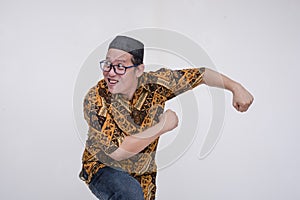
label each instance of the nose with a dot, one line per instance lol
(112, 72)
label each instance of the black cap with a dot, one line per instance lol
(130, 45)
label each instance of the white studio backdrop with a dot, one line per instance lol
(44, 44)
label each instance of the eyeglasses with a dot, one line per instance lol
(119, 69)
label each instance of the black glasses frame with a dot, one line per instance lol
(103, 62)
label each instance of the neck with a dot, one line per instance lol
(130, 93)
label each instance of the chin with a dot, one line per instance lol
(113, 90)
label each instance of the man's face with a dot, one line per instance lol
(123, 84)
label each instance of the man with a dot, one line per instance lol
(125, 114)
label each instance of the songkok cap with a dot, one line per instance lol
(130, 45)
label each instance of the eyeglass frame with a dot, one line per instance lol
(114, 67)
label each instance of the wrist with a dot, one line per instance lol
(235, 87)
(159, 128)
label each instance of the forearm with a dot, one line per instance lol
(215, 79)
(136, 143)
(242, 99)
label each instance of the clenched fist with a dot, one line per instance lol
(168, 121)
(242, 99)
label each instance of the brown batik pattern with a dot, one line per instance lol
(110, 118)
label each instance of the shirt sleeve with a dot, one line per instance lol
(178, 81)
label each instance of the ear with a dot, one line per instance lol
(140, 70)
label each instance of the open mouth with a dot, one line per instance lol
(112, 81)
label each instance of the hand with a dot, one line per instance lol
(242, 99)
(168, 121)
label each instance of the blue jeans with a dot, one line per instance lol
(113, 184)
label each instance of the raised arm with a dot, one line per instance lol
(136, 143)
(242, 99)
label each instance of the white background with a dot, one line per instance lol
(43, 45)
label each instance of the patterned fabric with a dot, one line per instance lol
(111, 118)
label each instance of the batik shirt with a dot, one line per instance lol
(111, 118)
